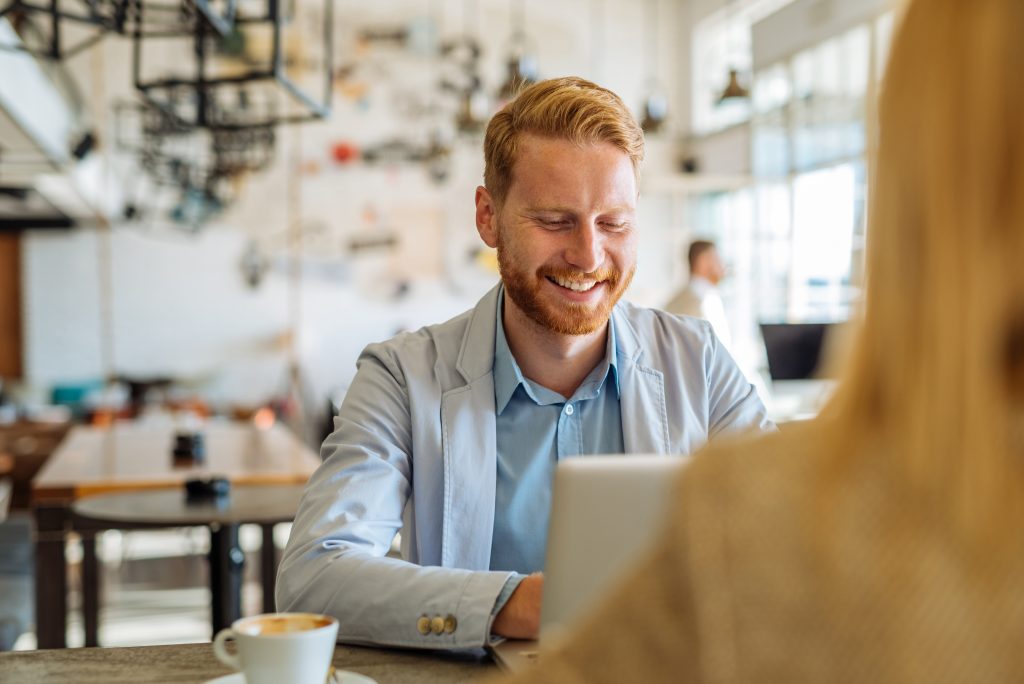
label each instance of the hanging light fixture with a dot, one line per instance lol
(734, 90)
(655, 110)
(474, 103)
(464, 53)
(521, 64)
(655, 102)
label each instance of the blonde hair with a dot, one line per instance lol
(567, 108)
(934, 379)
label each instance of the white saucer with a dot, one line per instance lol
(340, 676)
(235, 678)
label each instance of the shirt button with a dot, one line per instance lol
(569, 409)
(450, 624)
(423, 625)
(437, 625)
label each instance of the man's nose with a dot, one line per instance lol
(586, 247)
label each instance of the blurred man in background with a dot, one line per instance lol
(700, 297)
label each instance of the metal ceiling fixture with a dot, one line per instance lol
(157, 19)
(44, 37)
(262, 56)
(41, 24)
(202, 165)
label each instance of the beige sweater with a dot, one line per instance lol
(761, 576)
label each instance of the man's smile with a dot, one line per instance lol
(574, 285)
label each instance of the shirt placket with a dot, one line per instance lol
(570, 435)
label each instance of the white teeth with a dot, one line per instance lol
(576, 286)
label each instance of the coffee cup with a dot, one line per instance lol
(280, 647)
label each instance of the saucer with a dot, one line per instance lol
(340, 677)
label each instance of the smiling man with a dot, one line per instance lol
(451, 434)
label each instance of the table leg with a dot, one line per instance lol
(226, 564)
(268, 567)
(51, 582)
(90, 589)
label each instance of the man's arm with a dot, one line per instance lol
(733, 402)
(520, 617)
(353, 506)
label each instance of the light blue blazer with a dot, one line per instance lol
(414, 450)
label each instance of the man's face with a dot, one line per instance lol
(714, 268)
(565, 232)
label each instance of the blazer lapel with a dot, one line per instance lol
(641, 395)
(469, 436)
(469, 443)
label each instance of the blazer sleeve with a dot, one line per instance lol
(335, 561)
(733, 402)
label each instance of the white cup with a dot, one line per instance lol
(280, 647)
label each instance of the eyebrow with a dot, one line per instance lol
(568, 210)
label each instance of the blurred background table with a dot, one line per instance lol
(131, 457)
(264, 505)
(195, 663)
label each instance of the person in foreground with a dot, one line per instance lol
(451, 433)
(883, 542)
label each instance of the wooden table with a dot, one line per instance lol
(132, 457)
(195, 663)
(264, 505)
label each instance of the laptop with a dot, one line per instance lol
(795, 350)
(799, 356)
(605, 510)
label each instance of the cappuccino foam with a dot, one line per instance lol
(284, 624)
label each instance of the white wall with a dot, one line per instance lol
(179, 305)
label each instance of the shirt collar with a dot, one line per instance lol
(508, 376)
(701, 285)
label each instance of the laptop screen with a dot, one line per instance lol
(795, 349)
(605, 511)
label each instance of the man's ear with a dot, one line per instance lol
(486, 217)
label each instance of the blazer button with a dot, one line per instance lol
(423, 625)
(450, 624)
(437, 625)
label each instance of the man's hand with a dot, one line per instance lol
(520, 617)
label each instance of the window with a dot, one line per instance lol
(794, 241)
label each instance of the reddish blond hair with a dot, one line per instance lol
(568, 108)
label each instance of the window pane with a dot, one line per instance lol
(823, 220)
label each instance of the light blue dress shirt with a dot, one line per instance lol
(536, 428)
